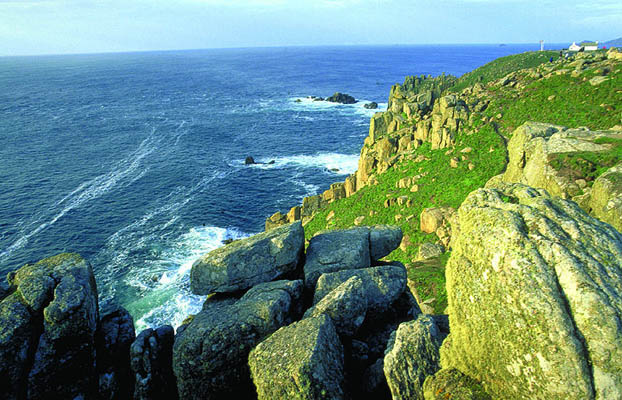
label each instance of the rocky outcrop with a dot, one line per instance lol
(438, 220)
(346, 306)
(371, 106)
(349, 249)
(151, 357)
(411, 356)
(341, 98)
(302, 361)
(383, 285)
(113, 340)
(47, 330)
(570, 163)
(535, 299)
(247, 262)
(453, 384)
(211, 352)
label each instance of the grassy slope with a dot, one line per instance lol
(576, 103)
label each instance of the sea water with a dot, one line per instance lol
(136, 160)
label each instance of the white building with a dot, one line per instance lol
(574, 47)
(585, 46)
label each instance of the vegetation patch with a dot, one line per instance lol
(588, 165)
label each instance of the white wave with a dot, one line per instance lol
(170, 301)
(340, 164)
(308, 104)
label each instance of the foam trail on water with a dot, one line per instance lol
(129, 167)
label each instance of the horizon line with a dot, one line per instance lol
(272, 47)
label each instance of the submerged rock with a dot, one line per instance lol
(371, 106)
(535, 297)
(247, 262)
(303, 361)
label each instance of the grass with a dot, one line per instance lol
(501, 67)
(589, 165)
(441, 186)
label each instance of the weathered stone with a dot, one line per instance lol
(341, 98)
(275, 220)
(453, 384)
(247, 262)
(294, 214)
(429, 250)
(303, 361)
(113, 339)
(151, 360)
(383, 239)
(210, 355)
(336, 250)
(56, 313)
(535, 299)
(433, 218)
(346, 305)
(534, 145)
(382, 285)
(412, 355)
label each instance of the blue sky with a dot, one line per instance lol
(82, 26)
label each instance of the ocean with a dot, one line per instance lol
(136, 160)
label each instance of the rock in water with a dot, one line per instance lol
(301, 361)
(247, 262)
(341, 98)
(47, 329)
(535, 297)
(211, 352)
(411, 356)
(371, 106)
(346, 306)
(151, 359)
(249, 160)
(113, 340)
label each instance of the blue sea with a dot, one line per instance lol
(136, 160)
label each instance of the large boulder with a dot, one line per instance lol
(346, 305)
(244, 263)
(113, 339)
(348, 249)
(565, 162)
(535, 297)
(453, 384)
(382, 285)
(47, 330)
(301, 361)
(151, 360)
(211, 352)
(412, 355)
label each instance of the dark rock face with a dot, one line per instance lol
(47, 329)
(371, 106)
(341, 98)
(151, 360)
(113, 340)
(211, 353)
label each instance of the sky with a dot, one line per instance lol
(92, 26)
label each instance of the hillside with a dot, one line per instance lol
(444, 138)
(614, 42)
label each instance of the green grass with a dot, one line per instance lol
(589, 165)
(501, 67)
(442, 186)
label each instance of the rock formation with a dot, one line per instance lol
(535, 297)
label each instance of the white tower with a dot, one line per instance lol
(541, 45)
